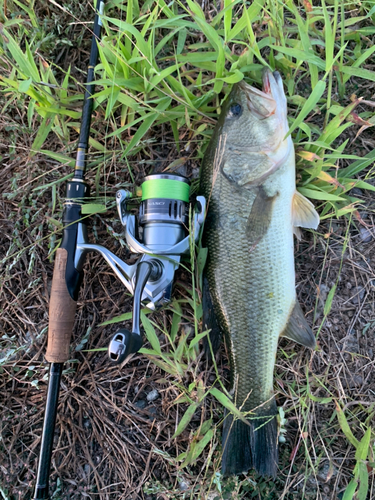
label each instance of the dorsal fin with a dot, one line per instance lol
(209, 321)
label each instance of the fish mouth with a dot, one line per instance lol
(269, 79)
(264, 103)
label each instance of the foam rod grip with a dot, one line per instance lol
(62, 309)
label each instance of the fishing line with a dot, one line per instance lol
(165, 188)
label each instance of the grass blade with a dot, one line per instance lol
(41, 136)
(345, 426)
(309, 105)
(188, 415)
(150, 333)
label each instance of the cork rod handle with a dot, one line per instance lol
(62, 311)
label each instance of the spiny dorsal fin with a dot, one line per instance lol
(298, 330)
(303, 213)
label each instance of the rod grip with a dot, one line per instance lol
(62, 309)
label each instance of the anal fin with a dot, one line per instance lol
(298, 329)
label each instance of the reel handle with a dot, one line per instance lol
(124, 342)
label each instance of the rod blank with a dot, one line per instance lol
(41, 487)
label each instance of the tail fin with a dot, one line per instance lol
(251, 446)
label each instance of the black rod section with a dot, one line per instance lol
(88, 102)
(41, 488)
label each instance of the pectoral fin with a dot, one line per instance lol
(298, 330)
(303, 214)
(260, 216)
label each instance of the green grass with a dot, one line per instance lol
(170, 64)
(151, 73)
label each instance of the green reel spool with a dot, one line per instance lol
(166, 186)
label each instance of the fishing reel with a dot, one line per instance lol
(160, 235)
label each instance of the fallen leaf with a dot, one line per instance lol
(308, 155)
(307, 5)
(355, 118)
(323, 176)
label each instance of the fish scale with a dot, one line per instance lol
(248, 178)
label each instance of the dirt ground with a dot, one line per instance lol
(113, 440)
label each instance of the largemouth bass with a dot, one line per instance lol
(248, 178)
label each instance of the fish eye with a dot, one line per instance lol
(235, 110)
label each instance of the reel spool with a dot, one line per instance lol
(164, 210)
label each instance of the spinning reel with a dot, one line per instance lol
(160, 235)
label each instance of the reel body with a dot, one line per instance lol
(160, 234)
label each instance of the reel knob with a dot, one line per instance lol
(122, 344)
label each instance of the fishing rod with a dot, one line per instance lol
(159, 234)
(67, 278)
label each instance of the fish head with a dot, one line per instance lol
(253, 125)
